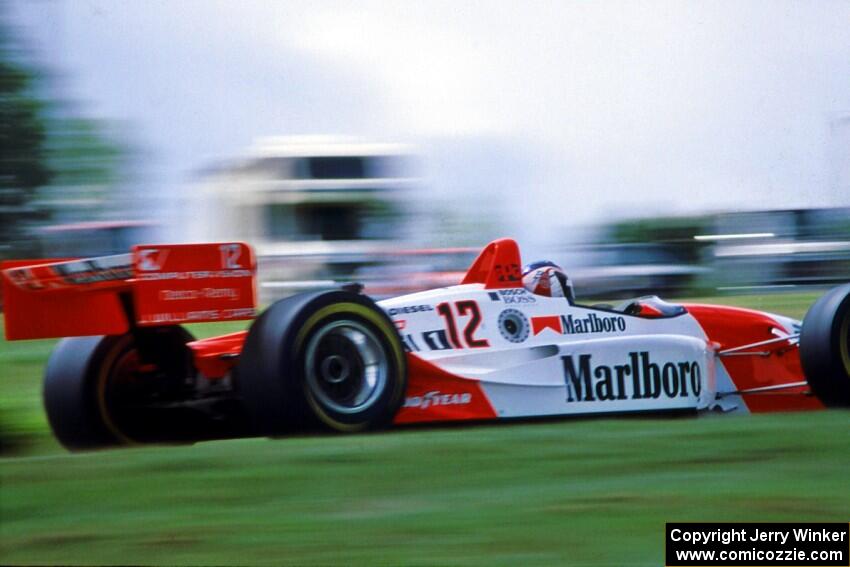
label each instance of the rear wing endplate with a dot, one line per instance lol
(167, 284)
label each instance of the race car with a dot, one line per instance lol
(495, 346)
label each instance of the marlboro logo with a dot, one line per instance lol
(569, 325)
(637, 378)
(540, 324)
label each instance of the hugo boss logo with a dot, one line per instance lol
(516, 295)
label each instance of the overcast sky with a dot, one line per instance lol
(607, 106)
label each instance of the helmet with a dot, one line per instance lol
(547, 278)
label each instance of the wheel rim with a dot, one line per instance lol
(118, 384)
(127, 387)
(346, 366)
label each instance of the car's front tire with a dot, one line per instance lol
(825, 347)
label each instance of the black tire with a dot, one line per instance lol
(80, 388)
(825, 347)
(302, 365)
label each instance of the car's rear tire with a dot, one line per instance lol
(825, 347)
(332, 359)
(95, 387)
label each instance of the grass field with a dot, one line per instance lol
(592, 492)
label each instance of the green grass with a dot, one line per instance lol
(581, 492)
(578, 492)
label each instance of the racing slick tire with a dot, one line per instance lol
(331, 359)
(94, 387)
(825, 347)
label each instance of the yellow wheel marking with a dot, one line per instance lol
(383, 326)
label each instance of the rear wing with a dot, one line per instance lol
(165, 284)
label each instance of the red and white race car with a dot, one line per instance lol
(485, 349)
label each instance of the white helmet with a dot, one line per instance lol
(548, 279)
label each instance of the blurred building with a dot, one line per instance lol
(727, 251)
(641, 256)
(781, 247)
(316, 210)
(611, 270)
(304, 195)
(94, 238)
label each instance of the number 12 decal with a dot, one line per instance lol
(466, 307)
(230, 256)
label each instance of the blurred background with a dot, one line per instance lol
(654, 147)
(695, 149)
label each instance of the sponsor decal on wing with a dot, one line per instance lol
(65, 275)
(181, 283)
